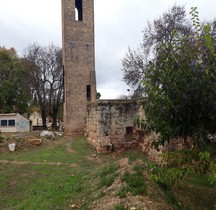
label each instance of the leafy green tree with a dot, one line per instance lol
(98, 95)
(14, 92)
(180, 84)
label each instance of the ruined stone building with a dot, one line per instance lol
(110, 124)
(106, 122)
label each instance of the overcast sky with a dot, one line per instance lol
(118, 25)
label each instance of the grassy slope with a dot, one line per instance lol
(46, 186)
(60, 186)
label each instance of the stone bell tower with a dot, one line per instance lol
(78, 61)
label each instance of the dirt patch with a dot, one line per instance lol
(69, 148)
(136, 202)
(22, 141)
(94, 158)
(36, 163)
(32, 173)
(68, 145)
(13, 184)
(109, 198)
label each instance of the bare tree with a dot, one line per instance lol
(156, 33)
(45, 70)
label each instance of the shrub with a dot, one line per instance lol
(1, 139)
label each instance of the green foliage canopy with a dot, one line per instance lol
(181, 85)
(175, 66)
(13, 96)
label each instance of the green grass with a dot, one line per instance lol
(1, 139)
(54, 153)
(194, 192)
(135, 183)
(123, 192)
(201, 181)
(198, 195)
(120, 207)
(48, 186)
(36, 187)
(134, 155)
(108, 175)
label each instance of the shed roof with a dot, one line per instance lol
(8, 114)
(12, 114)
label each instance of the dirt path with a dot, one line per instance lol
(36, 163)
(69, 148)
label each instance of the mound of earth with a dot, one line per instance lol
(109, 198)
(24, 141)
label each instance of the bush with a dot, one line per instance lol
(182, 165)
(1, 139)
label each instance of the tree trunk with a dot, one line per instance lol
(54, 116)
(44, 116)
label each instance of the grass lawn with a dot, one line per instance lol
(28, 186)
(77, 180)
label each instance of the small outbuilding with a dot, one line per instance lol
(14, 122)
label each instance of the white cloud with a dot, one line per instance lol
(118, 24)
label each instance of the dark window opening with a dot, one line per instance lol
(88, 92)
(11, 122)
(3, 122)
(129, 134)
(78, 10)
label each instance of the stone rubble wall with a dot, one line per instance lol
(109, 124)
(156, 154)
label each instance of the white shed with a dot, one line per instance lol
(14, 122)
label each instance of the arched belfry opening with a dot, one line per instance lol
(78, 10)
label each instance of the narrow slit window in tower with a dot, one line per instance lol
(78, 10)
(88, 92)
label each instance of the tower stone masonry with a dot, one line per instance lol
(78, 61)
